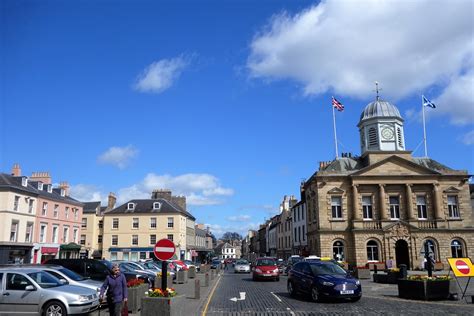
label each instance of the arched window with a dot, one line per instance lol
(373, 139)
(431, 246)
(372, 251)
(456, 249)
(338, 250)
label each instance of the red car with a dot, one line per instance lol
(180, 265)
(265, 268)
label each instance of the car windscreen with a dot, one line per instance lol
(266, 262)
(241, 262)
(327, 269)
(44, 279)
(216, 261)
(71, 274)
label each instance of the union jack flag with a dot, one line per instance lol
(338, 105)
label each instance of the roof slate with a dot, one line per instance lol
(146, 206)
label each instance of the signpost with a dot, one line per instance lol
(462, 267)
(164, 250)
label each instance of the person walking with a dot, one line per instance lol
(116, 287)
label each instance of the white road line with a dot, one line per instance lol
(279, 300)
(291, 312)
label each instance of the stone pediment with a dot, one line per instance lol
(335, 191)
(395, 165)
(451, 190)
(399, 229)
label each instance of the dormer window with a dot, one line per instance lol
(24, 181)
(63, 192)
(40, 186)
(156, 205)
(130, 206)
(50, 188)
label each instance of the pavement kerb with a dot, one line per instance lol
(209, 296)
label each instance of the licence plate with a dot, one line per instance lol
(347, 292)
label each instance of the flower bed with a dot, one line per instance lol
(422, 287)
(160, 302)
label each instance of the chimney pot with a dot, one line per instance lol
(16, 170)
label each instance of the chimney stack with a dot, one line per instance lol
(41, 176)
(65, 186)
(111, 201)
(161, 194)
(16, 170)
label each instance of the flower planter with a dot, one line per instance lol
(423, 290)
(192, 273)
(363, 273)
(158, 282)
(163, 306)
(135, 295)
(388, 278)
(380, 266)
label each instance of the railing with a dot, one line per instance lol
(427, 224)
(369, 225)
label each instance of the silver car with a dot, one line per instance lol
(31, 291)
(242, 266)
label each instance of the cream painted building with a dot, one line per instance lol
(132, 229)
(387, 203)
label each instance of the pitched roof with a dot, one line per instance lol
(146, 206)
(9, 182)
(91, 207)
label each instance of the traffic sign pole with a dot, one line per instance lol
(164, 250)
(164, 275)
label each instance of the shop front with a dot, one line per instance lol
(15, 253)
(69, 251)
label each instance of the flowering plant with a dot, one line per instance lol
(135, 283)
(427, 278)
(394, 270)
(160, 274)
(169, 292)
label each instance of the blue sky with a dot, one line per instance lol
(226, 102)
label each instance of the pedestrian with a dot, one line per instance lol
(225, 264)
(116, 287)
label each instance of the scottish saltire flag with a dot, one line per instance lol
(427, 102)
(338, 105)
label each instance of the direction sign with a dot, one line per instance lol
(164, 249)
(462, 267)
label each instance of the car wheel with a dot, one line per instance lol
(291, 289)
(355, 299)
(54, 309)
(315, 294)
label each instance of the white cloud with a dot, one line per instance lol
(344, 46)
(87, 193)
(239, 218)
(160, 75)
(118, 156)
(219, 230)
(468, 138)
(199, 188)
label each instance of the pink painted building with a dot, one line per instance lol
(58, 220)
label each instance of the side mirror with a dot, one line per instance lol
(63, 281)
(30, 288)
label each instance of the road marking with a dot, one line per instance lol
(204, 312)
(242, 297)
(279, 300)
(291, 312)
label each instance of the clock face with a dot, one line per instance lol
(387, 133)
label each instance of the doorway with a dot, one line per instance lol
(401, 253)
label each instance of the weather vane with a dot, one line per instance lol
(377, 89)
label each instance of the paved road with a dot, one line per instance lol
(271, 298)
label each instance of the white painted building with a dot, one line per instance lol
(299, 234)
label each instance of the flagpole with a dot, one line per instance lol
(424, 125)
(334, 123)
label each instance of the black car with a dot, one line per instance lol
(323, 279)
(94, 269)
(215, 263)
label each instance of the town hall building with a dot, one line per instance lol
(387, 204)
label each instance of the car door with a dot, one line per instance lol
(296, 275)
(306, 277)
(2, 306)
(16, 299)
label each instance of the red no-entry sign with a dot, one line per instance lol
(164, 249)
(462, 267)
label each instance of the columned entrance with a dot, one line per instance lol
(401, 253)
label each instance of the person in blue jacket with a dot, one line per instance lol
(116, 287)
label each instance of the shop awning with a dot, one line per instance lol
(51, 250)
(71, 246)
(194, 253)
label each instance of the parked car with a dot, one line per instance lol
(180, 265)
(31, 291)
(265, 268)
(323, 279)
(190, 264)
(63, 273)
(291, 261)
(215, 264)
(242, 265)
(131, 268)
(93, 269)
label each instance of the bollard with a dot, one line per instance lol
(206, 279)
(403, 271)
(212, 274)
(197, 288)
(180, 277)
(375, 269)
(192, 273)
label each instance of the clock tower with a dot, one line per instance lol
(381, 128)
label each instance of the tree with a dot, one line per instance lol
(230, 237)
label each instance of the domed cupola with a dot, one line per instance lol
(381, 127)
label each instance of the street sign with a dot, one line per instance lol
(462, 267)
(164, 249)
